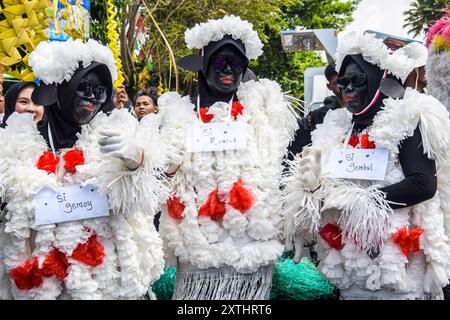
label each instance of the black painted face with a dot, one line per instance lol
(354, 88)
(89, 97)
(225, 71)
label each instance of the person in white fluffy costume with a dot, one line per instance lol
(223, 220)
(438, 77)
(110, 254)
(377, 239)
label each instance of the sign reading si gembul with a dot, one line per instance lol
(365, 164)
(70, 203)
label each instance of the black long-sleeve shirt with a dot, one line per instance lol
(420, 182)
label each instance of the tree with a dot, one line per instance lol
(173, 17)
(288, 68)
(422, 14)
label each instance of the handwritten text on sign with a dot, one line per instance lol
(205, 137)
(69, 204)
(364, 164)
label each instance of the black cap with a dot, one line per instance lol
(47, 95)
(198, 62)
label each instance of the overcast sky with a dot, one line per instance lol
(381, 15)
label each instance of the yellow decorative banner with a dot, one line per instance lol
(113, 38)
(20, 32)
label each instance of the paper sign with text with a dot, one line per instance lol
(205, 137)
(70, 203)
(364, 164)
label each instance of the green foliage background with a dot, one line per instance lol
(269, 17)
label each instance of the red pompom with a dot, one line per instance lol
(236, 109)
(240, 198)
(354, 140)
(72, 159)
(408, 240)
(204, 116)
(91, 252)
(55, 264)
(175, 208)
(48, 162)
(213, 207)
(27, 275)
(366, 143)
(332, 235)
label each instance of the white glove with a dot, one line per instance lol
(299, 242)
(309, 168)
(118, 145)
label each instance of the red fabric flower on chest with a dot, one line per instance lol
(48, 162)
(72, 159)
(206, 118)
(354, 140)
(213, 207)
(91, 252)
(366, 143)
(236, 109)
(175, 208)
(27, 275)
(55, 264)
(332, 235)
(240, 198)
(408, 240)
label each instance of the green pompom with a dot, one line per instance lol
(290, 282)
(299, 281)
(163, 288)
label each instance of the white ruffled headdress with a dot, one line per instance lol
(214, 30)
(376, 52)
(55, 61)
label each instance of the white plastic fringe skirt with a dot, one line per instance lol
(222, 284)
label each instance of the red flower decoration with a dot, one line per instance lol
(204, 116)
(408, 240)
(55, 264)
(91, 252)
(240, 198)
(27, 275)
(354, 140)
(366, 143)
(332, 235)
(48, 162)
(213, 207)
(72, 159)
(236, 109)
(175, 208)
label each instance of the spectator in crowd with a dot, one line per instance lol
(119, 100)
(18, 99)
(145, 103)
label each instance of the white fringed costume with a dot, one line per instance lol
(365, 218)
(133, 257)
(242, 247)
(126, 249)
